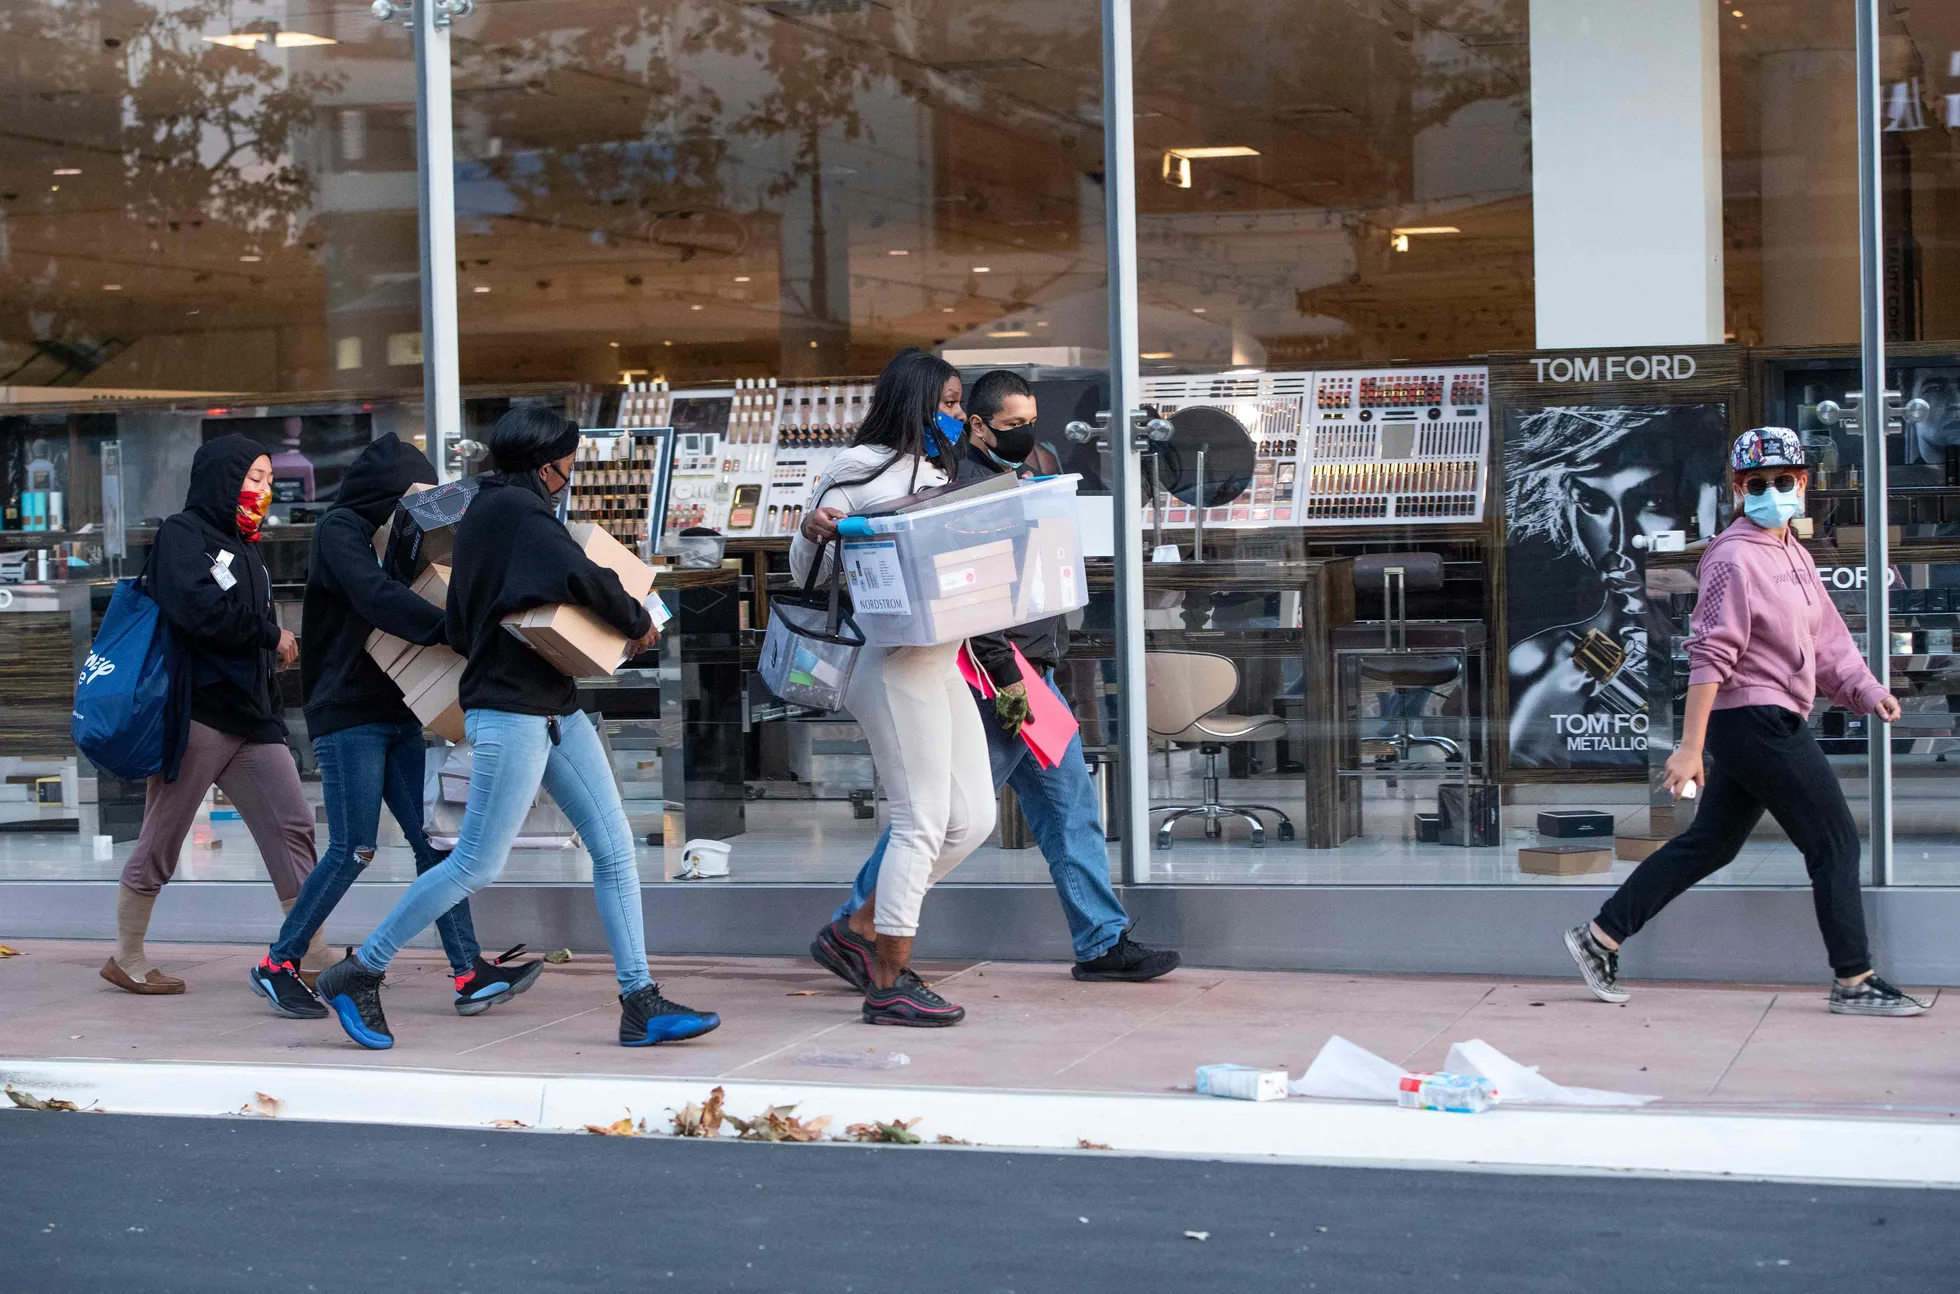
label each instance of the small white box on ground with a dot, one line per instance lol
(1242, 1082)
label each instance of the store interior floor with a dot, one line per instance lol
(805, 841)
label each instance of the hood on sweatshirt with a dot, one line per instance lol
(217, 475)
(380, 475)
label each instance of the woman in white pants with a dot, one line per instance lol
(917, 714)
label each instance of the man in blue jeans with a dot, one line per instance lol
(1059, 803)
(367, 743)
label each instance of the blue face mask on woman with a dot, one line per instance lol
(1773, 507)
(948, 427)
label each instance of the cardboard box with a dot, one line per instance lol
(386, 531)
(578, 643)
(412, 672)
(1564, 860)
(983, 566)
(1637, 848)
(435, 701)
(981, 611)
(1572, 824)
(388, 651)
(433, 585)
(1048, 569)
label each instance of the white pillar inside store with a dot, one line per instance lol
(1626, 172)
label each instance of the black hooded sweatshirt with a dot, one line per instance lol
(512, 554)
(231, 634)
(349, 595)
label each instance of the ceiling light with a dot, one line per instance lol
(1010, 332)
(1042, 324)
(666, 343)
(983, 269)
(1197, 310)
(282, 39)
(945, 310)
(898, 251)
(1158, 354)
(54, 188)
(613, 344)
(67, 170)
(1427, 229)
(741, 278)
(479, 289)
(694, 307)
(112, 287)
(1222, 150)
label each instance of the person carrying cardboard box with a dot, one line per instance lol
(512, 554)
(1060, 803)
(365, 739)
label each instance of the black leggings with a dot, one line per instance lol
(1760, 757)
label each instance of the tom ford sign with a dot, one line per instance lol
(1615, 368)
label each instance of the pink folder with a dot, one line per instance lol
(1050, 725)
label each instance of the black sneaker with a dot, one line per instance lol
(1873, 996)
(279, 984)
(645, 1018)
(846, 954)
(1129, 962)
(1598, 963)
(489, 983)
(911, 1004)
(354, 994)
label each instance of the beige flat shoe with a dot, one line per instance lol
(153, 984)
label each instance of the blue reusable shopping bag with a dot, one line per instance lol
(125, 721)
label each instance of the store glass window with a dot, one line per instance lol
(1487, 287)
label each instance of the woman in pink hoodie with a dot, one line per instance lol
(1766, 642)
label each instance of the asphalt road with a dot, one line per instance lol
(129, 1203)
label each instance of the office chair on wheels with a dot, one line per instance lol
(1184, 688)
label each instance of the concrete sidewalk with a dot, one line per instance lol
(1030, 1027)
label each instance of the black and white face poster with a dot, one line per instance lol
(1581, 484)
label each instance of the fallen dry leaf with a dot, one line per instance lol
(802, 992)
(1199, 1235)
(702, 1119)
(945, 1140)
(10, 952)
(778, 1123)
(264, 1106)
(619, 1128)
(896, 1133)
(29, 1101)
(559, 957)
(1083, 1143)
(508, 1123)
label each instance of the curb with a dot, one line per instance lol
(1893, 1152)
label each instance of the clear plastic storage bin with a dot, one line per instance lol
(942, 574)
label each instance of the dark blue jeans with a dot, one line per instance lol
(359, 768)
(1060, 806)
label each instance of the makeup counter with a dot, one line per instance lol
(1441, 589)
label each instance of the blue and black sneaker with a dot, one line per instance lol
(489, 983)
(354, 994)
(279, 984)
(645, 1018)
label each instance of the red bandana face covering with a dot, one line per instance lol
(252, 505)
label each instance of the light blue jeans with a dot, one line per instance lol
(1060, 806)
(514, 755)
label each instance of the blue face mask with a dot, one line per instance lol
(948, 427)
(1773, 507)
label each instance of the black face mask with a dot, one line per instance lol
(1012, 445)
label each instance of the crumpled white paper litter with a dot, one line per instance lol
(1345, 1071)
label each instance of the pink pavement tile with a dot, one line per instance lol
(1802, 1053)
(1667, 1041)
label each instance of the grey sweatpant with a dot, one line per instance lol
(258, 777)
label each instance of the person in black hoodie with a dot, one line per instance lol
(366, 741)
(523, 720)
(213, 590)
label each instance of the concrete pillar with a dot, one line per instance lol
(1626, 172)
